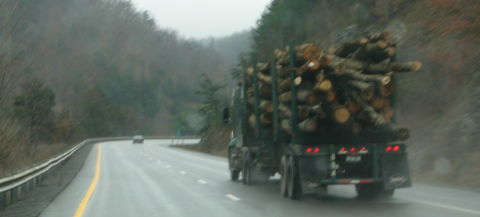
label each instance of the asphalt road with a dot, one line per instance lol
(155, 180)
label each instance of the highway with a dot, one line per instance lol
(124, 179)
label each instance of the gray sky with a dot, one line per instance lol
(204, 18)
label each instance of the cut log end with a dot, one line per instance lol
(297, 81)
(363, 41)
(311, 51)
(325, 85)
(341, 114)
(415, 65)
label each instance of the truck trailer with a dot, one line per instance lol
(374, 161)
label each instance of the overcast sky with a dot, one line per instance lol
(204, 18)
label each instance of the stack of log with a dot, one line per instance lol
(349, 86)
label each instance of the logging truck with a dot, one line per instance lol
(320, 119)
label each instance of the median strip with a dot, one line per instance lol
(83, 204)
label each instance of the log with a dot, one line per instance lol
(387, 113)
(264, 78)
(349, 47)
(386, 90)
(283, 72)
(308, 51)
(252, 121)
(370, 115)
(330, 96)
(265, 91)
(395, 67)
(366, 90)
(320, 77)
(303, 96)
(263, 68)
(308, 125)
(249, 71)
(324, 86)
(317, 111)
(340, 114)
(357, 75)
(352, 106)
(285, 125)
(367, 112)
(266, 119)
(332, 61)
(375, 52)
(285, 85)
(302, 111)
(303, 53)
(309, 67)
(385, 35)
(396, 133)
(266, 106)
(379, 103)
(284, 110)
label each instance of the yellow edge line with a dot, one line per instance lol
(91, 188)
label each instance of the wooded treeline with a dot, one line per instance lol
(75, 69)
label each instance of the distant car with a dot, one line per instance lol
(138, 139)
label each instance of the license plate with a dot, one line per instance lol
(353, 158)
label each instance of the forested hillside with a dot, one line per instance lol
(92, 68)
(440, 103)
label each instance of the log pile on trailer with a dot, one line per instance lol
(347, 88)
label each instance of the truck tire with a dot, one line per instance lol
(246, 169)
(373, 191)
(293, 179)
(234, 172)
(284, 178)
(234, 175)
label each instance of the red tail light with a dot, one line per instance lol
(352, 149)
(363, 149)
(388, 148)
(396, 148)
(342, 149)
(316, 150)
(309, 150)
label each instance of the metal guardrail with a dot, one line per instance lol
(14, 186)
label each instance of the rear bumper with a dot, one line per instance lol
(389, 169)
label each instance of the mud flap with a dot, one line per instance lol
(395, 171)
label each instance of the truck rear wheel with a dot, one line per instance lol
(293, 179)
(246, 169)
(373, 191)
(234, 174)
(284, 178)
(233, 164)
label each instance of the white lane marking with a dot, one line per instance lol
(475, 212)
(183, 172)
(203, 182)
(232, 197)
